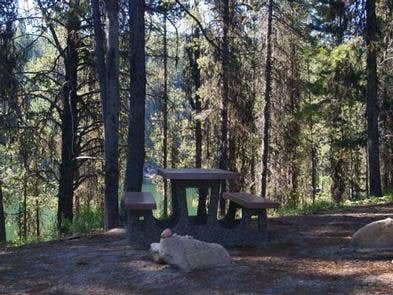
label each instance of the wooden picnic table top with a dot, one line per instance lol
(197, 174)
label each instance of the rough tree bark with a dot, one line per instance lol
(68, 120)
(108, 74)
(314, 171)
(294, 126)
(372, 101)
(24, 156)
(165, 111)
(225, 68)
(196, 75)
(266, 111)
(223, 162)
(2, 217)
(193, 54)
(37, 219)
(136, 128)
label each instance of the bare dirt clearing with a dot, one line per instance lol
(310, 254)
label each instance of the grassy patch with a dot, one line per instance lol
(325, 205)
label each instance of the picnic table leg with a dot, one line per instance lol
(246, 217)
(180, 210)
(213, 204)
(139, 231)
(262, 222)
(229, 218)
(201, 211)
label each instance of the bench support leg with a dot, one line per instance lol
(139, 227)
(201, 212)
(213, 205)
(228, 221)
(246, 217)
(262, 222)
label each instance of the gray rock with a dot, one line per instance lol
(377, 234)
(189, 254)
(155, 251)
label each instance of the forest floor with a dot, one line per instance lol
(310, 254)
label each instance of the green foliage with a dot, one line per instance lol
(324, 205)
(317, 107)
(85, 221)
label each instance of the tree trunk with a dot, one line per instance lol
(2, 217)
(136, 129)
(68, 123)
(37, 219)
(165, 112)
(25, 188)
(372, 101)
(387, 122)
(193, 56)
(266, 111)
(25, 206)
(253, 179)
(193, 53)
(225, 64)
(313, 172)
(175, 149)
(20, 226)
(367, 188)
(294, 126)
(108, 74)
(225, 67)
(198, 142)
(112, 117)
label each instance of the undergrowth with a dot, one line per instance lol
(324, 205)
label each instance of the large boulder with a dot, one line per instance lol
(189, 254)
(377, 234)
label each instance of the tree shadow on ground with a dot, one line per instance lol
(309, 254)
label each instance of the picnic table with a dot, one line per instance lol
(143, 228)
(203, 180)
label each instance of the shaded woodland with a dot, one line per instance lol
(296, 96)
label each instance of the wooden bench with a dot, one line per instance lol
(135, 201)
(250, 201)
(250, 205)
(140, 222)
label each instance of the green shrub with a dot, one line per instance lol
(87, 220)
(324, 204)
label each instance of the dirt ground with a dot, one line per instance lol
(309, 255)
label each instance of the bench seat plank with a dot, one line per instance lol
(250, 201)
(139, 201)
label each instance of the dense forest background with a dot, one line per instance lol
(297, 96)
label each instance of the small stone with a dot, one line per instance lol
(166, 233)
(115, 231)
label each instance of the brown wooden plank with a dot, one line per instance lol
(250, 201)
(139, 201)
(197, 174)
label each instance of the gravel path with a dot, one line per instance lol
(310, 255)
